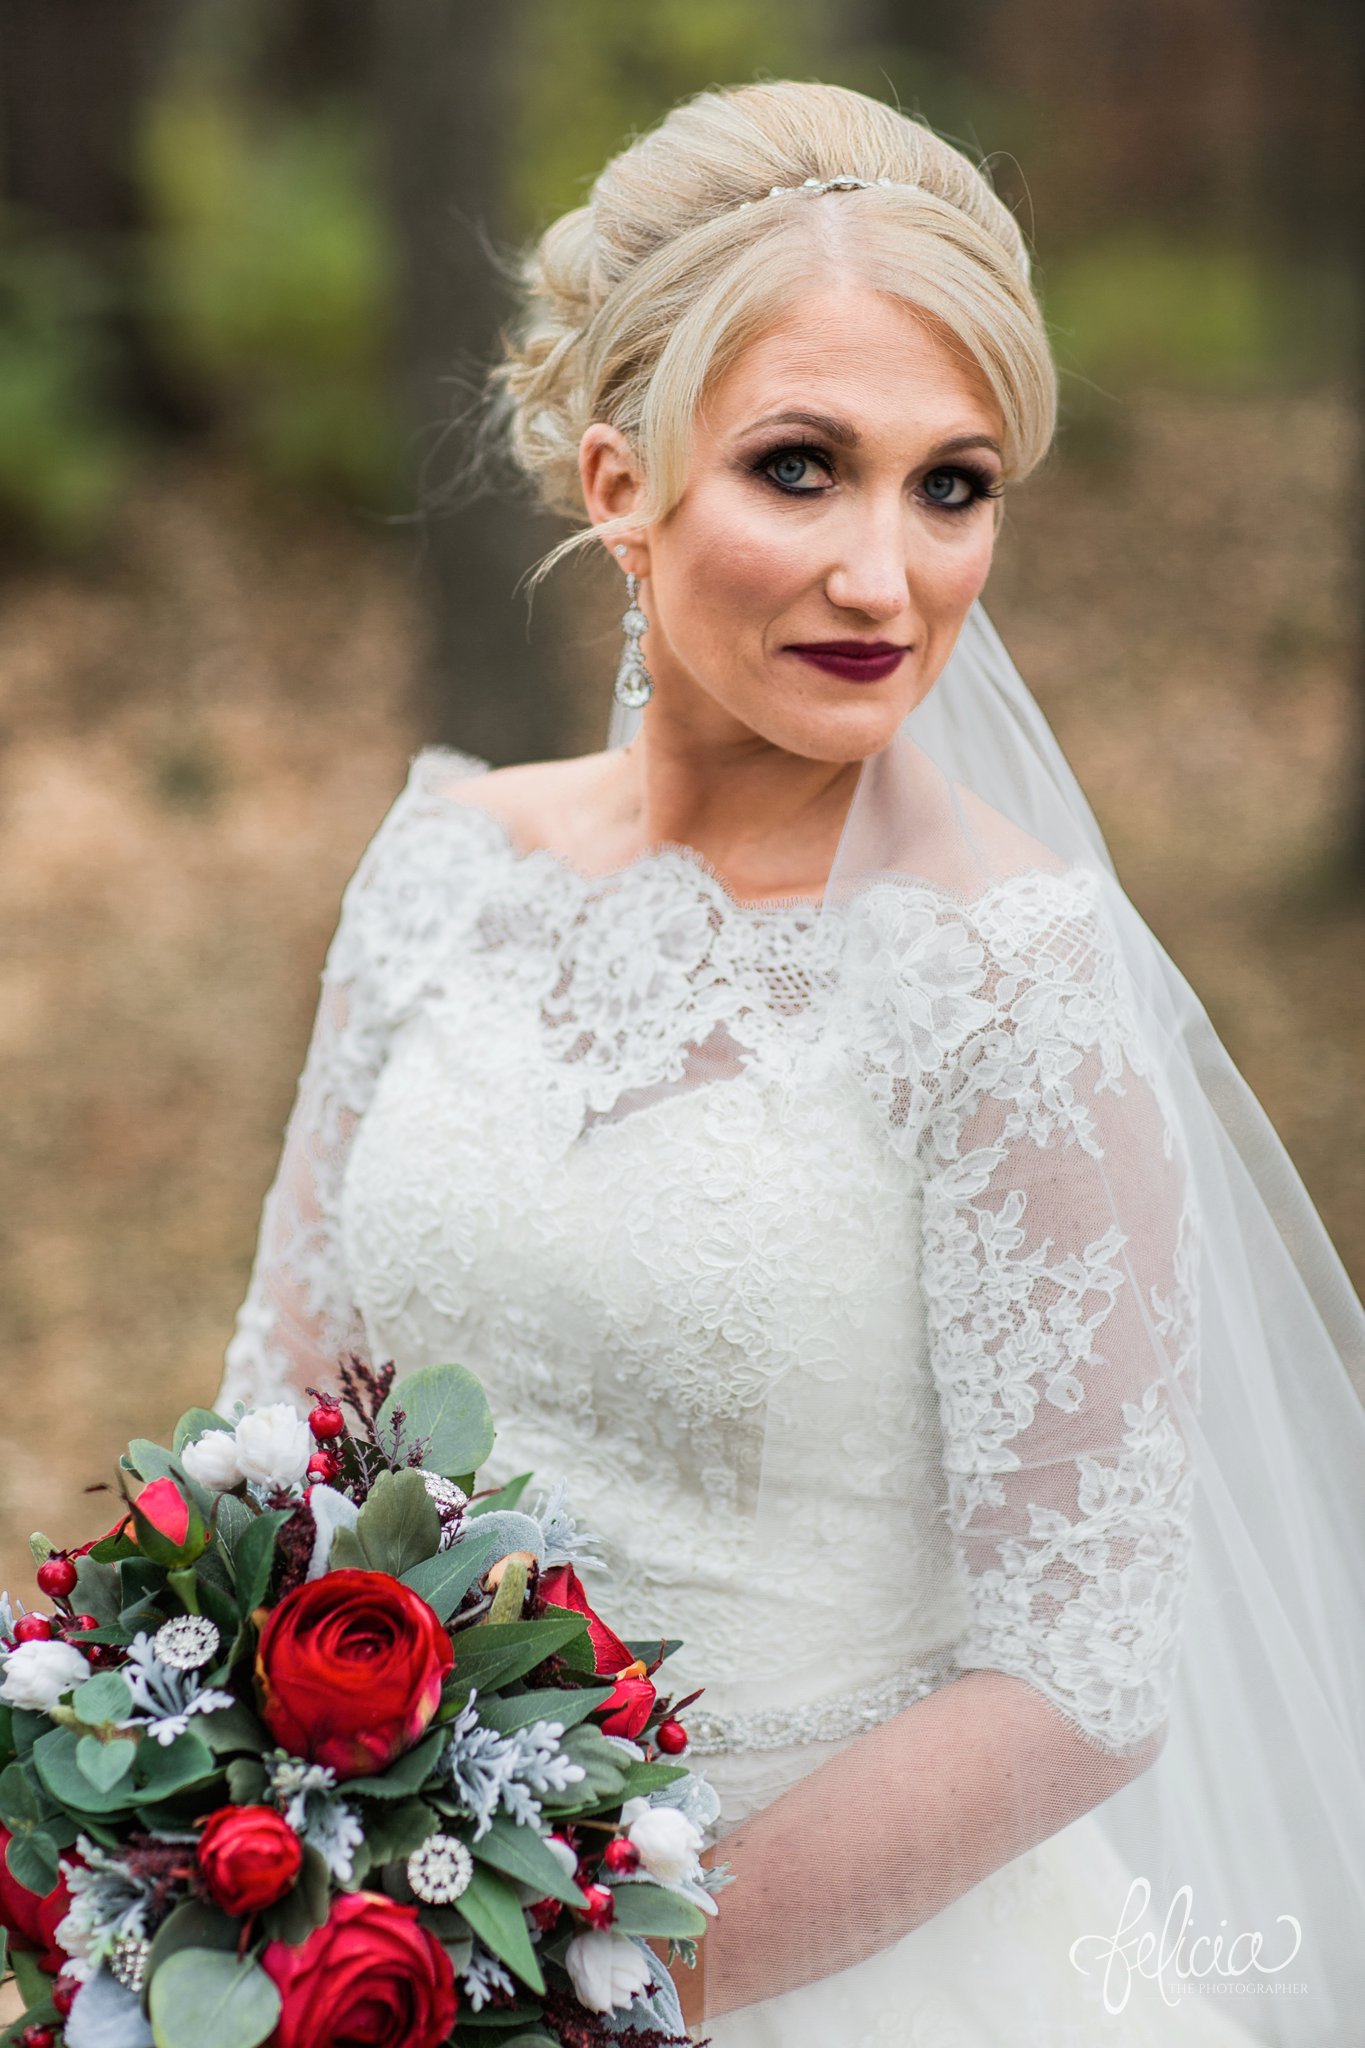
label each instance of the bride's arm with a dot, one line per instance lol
(1058, 1250)
(299, 1314)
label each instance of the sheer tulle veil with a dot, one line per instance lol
(1256, 1802)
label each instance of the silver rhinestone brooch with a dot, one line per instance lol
(128, 1961)
(187, 1643)
(440, 1870)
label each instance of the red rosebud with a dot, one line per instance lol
(629, 1708)
(561, 1587)
(350, 1670)
(250, 1857)
(371, 1976)
(31, 1922)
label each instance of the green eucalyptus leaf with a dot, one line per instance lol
(393, 1830)
(97, 1591)
(192, 1924)
(348, 1553)
(399, 1524)
(245, 1781)
(233, 1731)
(202, 1998)
(193, 1424)
(54, 1756)
(304, 1906)
(106, 1697)
(23, 1802)
(180, 1765)
(32, 1861)
(35, 1986)
(446, 1407)
(104, 1763)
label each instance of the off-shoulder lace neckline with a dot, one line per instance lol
(673, 854)
(686, 862)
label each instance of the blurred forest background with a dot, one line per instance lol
(247, 282)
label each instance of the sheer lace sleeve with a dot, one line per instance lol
(400, 904)
(1058, 1272)
(1058, 1248)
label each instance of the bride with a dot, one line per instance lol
(788, 1117)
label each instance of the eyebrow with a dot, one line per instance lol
(845, 435)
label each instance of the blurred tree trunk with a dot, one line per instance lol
(443, 78)
(73, 76)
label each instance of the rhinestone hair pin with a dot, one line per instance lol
(845, 182)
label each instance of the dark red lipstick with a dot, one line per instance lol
(857, 661)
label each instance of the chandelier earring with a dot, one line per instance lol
(634, 683)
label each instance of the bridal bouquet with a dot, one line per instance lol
(318, 1745)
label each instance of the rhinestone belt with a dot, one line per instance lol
(823, 1720)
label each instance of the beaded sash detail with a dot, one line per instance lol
(827, 1720)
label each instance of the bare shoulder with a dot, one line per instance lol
(542, 803)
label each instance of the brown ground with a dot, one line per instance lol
(201, 737)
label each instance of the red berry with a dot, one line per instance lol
(671, 1737)
(80, 1624)
(600, 1910)
(323, 1467)
(38, 2037)
(57, 1578)
(621, 1854)
(33, 1628)
(545, 1912)
(64, 1995)
(327, 1422)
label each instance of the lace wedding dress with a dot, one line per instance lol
(739, 1240)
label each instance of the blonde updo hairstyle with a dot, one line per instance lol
(634, 303)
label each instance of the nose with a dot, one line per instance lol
(871, 574)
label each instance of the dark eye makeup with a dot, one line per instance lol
(783, 466)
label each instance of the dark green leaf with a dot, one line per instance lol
(22, 1800)
(32, 1860)
(55, 1758)
(519, 1851)
(304, 1908)
(245, 1781)
(35, 1985)
(399, 1524)
(104, 1763)
(97, 1590)
(493, 1910)
(406, 1775)
(395, 1829)
(201, 1998)
(254, 1556)
(648, 1648)
(194, 1924)
(550, 1703)
(234, 1730)
(25, 1728)
(447, 1409)
(231, 1520)
(642, 1778)
(506, 1496)
(492, 1655)
(443, 1581)
(348, 1553)
(652, 1909)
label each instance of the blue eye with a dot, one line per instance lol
(790, 469)
(977, 483)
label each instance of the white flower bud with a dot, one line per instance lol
(668, 1842)
(274, 1445)
(607, 1969)
(37, 1674)
(568, 1859)
(212, 1461)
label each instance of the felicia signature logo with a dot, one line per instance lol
(1128, 1953)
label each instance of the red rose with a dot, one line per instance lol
(30, 1921)
(562, 1587)
(628, 1710)
(371, 1976)
(350, 1670)
(250, 1856)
